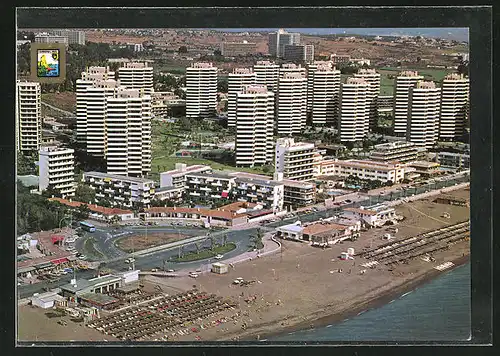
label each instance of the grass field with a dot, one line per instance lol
(64, 100)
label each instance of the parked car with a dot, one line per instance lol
(193, 275)
(130, 260)
(219, 257)
(170, 270)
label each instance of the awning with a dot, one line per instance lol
(224, 194)
(25, 269)
(59, 261)
(44, 265)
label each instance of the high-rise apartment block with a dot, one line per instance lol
(45, 37)
(239, 78)
(74, 36)
(311, 69)
(91, 76)
(423, 114)
(254, 126)
(373, 79)
(454, 106)
(298, 52)
(279, 39)
(294, 159)
(404, 81)
(291, 103)
(267, 73)
(324, 93)
(135, 75)
(353, 118)
(28, 116)
(201, 90)
(128, 126)
(57, 170)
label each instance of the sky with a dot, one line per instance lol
(454, 33)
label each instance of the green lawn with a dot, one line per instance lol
(193, 256)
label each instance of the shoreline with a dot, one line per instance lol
(319, 319)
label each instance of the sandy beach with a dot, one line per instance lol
(302, 287)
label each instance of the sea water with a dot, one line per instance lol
(436, 311)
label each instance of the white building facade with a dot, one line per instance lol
(404, 81)
(135, 75)
(239, 78)
(201, 90)
(57, 170)
(254, 126)
(454, 107)
(294, 159)
(267, 73)
(354, 110)
(423, 114)
(324, 94)
(291, 105)
(373, 79)
(28, 116)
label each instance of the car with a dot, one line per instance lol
(219, 257)
(82, 257)
(170, 270)
(193, 275)
(348, 201)
(130, 260)
(154, 269)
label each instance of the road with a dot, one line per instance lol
(241, 238)
(71, 114)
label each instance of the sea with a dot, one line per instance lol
(436, 311)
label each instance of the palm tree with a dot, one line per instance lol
(212, 242)
(198, 247)
(224, 240)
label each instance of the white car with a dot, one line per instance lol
(219, 257)
(193, 275)
(130, 260)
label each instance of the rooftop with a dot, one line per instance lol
(84, 283)
(269, 182)
(291, 227)
(219, 213)
(393, 145)
(117, 177)
(93, 207)
(99, 298)
(168, 189)
(187, 169)
(322, 228)
(361, 211)
(423, 164)
(214, 175)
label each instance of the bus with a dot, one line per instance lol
(87, 227)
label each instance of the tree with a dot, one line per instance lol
(198, 247)
(212, 242)
(183, 49)
(257, 239)
(349, 145)
(82, 212)
(222, 85)
(224, 240)
(84, 194)
(217, 53)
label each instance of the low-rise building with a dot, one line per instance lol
(79, 287)
(169, 193)
(234, 49)
(120, 190)
(177, 177)
(364, 169)
(208, 186)
(99, 212)
(452, 159)
(424, 168)
(265, 192)
(402, 151)
(215, 217)
(57, 169)
(372, 216)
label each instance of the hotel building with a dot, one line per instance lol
(423, 114)
(311, 69)
(201, 90)
(454, 107)
(135, 75)
(239, 78)
(48, 38)
(373, 79)
(120, 190)
(298, 53)
(28, 116)
(208, 186)
(74, 37)
(267, 73)
(364, 169)
(324, 94)
(57, 170)
(404, 81)
(454, 160)
(291, 103)
(254, 126)
(294, 159)
(354, 110)
(263, 191)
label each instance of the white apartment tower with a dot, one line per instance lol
(28, 116)
(88, 79)
(423, 114)
(404, 81)
(353, 118)
(267, 73)
(201, 90)
(254, 126)
(294, 159)
(311, 69)
(324, 94)
(57, 170)
(137, 75)
(278, 40)
(291, 103)
(239, 78)
(454, 106)
(128, 126)
(373, 79)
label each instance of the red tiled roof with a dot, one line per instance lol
(361, 211)
(93, 207)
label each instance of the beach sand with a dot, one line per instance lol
(301, 287)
